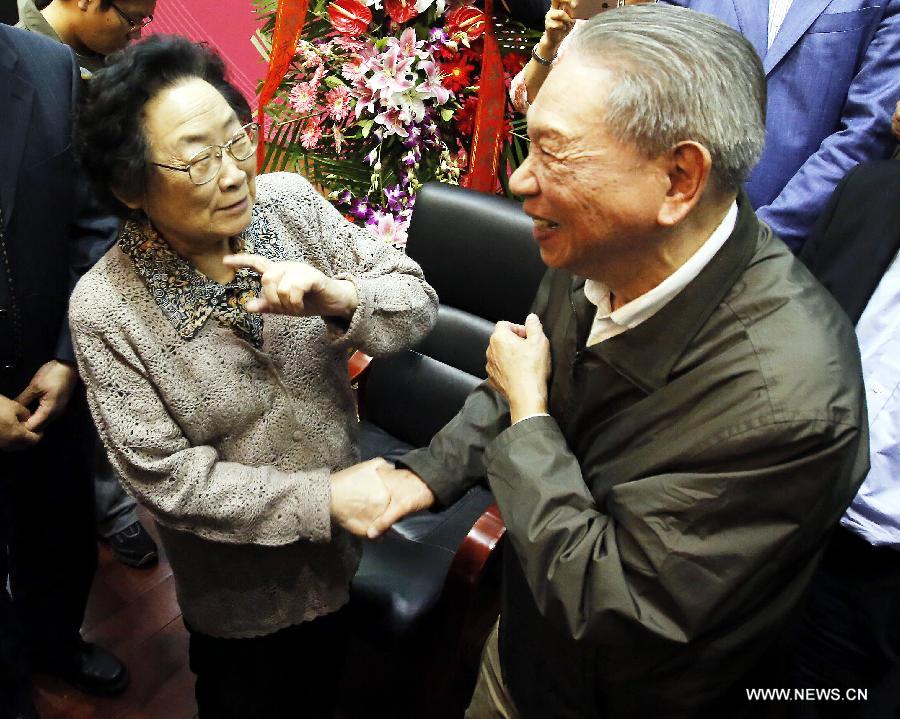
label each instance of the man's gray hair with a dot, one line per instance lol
(681, 75)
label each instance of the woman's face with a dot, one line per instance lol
(179, 122)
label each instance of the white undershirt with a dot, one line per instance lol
(609, 324)
(777, 11)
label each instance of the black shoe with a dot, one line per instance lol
(134, 546)
(87, 667)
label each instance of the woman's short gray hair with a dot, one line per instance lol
(682, 75)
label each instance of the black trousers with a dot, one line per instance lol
(293, 673)
(849, 636)
(48, 551)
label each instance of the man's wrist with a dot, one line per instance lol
(528, 407)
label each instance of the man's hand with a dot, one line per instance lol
(358, 496)
(13, 432)
(51, 387)
(518, 366)
(408, 494)
(295, 288)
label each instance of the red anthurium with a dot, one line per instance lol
(401, 11)
(349, 17)
(466, 20)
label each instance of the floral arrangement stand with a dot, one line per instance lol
(371, 98)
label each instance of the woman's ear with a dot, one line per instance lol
(132, 203)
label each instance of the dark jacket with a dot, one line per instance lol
(858, 235)
(51, 233)
(666, 518)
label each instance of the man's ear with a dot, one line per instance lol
(688, 167)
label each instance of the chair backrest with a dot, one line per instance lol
(477, 251)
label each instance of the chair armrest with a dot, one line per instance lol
(475, 551)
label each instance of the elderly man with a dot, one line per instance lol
(674, 432)
(833, 73)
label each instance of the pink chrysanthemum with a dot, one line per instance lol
(338, 103)
(312, 133)
(302, 98)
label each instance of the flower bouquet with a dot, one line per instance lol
(380, 96)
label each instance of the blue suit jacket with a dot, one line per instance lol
(52, 231)
(833, 76)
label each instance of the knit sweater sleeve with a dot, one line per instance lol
(187, 487)
(397, 307)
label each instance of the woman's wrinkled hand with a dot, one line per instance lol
(296, 288)
(359, 496)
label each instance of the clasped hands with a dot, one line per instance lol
(48, 393)
(367, 498)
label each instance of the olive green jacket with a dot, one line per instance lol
(30, 18)
(666, 518)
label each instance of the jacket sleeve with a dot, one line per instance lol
(190, 488)
(397, 307)
(677, 555)
(864, 134)
(91, 233)
(454, 460)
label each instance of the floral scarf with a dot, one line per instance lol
(186, 296)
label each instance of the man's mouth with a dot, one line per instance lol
(541, 224)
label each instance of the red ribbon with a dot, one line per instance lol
(489, 114)
(289, 21)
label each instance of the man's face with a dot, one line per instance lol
(104, 31)
(594, 200)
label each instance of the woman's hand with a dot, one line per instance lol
(558, 22)
(358, 496)
(296, 288)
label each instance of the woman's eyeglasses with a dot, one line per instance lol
(204, 166)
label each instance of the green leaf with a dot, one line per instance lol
(447, 114)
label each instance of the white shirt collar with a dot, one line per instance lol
(644, 307)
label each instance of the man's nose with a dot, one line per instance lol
(523, 181)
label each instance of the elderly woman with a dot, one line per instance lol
(230, 426)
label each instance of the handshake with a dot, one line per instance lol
(367, 498)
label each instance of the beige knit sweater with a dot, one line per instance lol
(231, 447)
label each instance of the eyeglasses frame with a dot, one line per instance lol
(223, 148)
(130, 21)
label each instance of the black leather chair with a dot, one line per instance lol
(426, 595)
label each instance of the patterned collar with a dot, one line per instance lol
(186, 296)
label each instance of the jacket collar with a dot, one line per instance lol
(753, 24)
(797, 21)
(646, 354)
(16, 96)
(183, 294)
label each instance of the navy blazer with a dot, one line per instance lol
(833, 77)
(51, 230)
